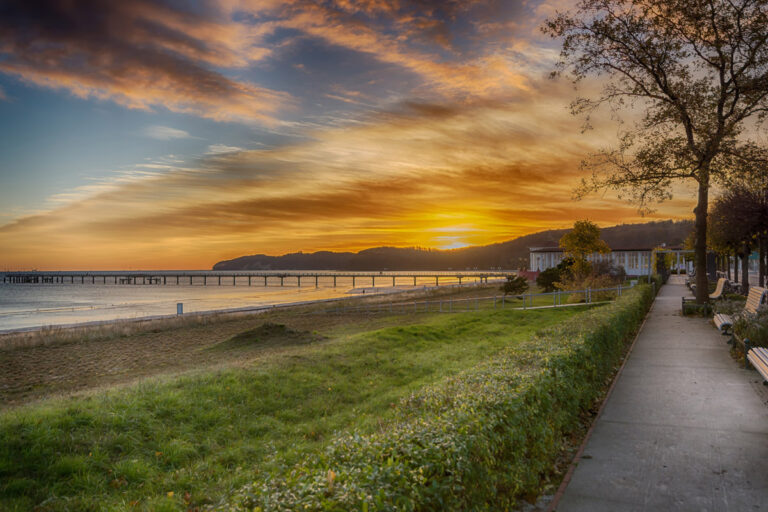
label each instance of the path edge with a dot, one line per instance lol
(577, 458)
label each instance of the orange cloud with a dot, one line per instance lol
(425, 175)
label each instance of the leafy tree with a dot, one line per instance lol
(548, 279)
(515, 285)
(739, 220)
(581, 242)
(696, 71)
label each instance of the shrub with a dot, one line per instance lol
(693, 308)
(548, 279)
(475, 441)
(730, 305)
(515, 285)
(591, 282)
(608, 268)
(657, 280)
(753, 327)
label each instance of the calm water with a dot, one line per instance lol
(35, 305)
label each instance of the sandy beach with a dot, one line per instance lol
(61, 361)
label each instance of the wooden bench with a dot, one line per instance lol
(718, 289)
(718, 293)
(758, 358)
(755, 298)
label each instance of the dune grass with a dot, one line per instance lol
(177, 444)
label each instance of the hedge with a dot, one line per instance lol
(477, 441)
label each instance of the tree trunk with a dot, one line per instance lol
(735, 266)
(764, 257)
(762, 260)
(728, 265)
(745, 270)
(702, 283)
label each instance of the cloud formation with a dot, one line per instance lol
(430, 39)
(441, 130)
(141, 54)
(428, 175)
(165, 133)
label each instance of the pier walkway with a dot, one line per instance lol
(253, 278)
(684, 429)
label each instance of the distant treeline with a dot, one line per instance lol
(508, 255)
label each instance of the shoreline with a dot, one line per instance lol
(358, 293)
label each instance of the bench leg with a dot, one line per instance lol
(747, 366)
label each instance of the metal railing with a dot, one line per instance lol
(458, 305)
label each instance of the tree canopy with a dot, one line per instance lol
(695, 70)
(582, 241)
(739, 223)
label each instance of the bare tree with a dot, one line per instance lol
(697, 70)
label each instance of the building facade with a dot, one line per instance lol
(636, 262)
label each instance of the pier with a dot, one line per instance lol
(251, 278)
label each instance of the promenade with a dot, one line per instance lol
(685, 428)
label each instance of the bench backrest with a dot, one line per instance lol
(719, 290)
(755, 299)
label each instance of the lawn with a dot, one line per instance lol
(186, 442)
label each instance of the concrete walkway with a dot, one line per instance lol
(684, 429)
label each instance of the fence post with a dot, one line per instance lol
(477, 303)
(502, 301)
(494, 302)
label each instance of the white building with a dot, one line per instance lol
(636, 262)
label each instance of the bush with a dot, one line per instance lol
(753, 327)
(730, 305)
(591, 282)
(515, 285)
(658, 280)
(548, 279)
(475, 441)
(608, 268)
(693, 308)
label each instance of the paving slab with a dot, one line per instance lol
(685, 428)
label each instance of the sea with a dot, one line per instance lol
(32, 306)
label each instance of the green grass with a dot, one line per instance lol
(203, 437)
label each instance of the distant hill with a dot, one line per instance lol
(512, 254)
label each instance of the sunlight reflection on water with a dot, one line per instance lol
(34, 305)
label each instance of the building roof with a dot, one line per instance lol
(617, 249)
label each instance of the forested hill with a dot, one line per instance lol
(509, 255)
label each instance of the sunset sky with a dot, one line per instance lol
(173, 134)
